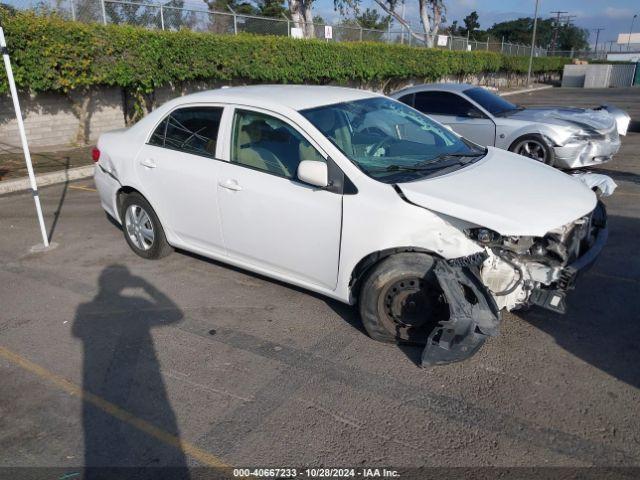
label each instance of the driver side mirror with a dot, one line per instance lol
(475, 113)
(314, 173)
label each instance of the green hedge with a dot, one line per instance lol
(51, 54)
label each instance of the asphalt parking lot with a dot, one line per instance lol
(108, 359)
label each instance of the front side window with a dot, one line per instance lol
(390, 141)
(266, 143)
(192, 130)
(444, 103)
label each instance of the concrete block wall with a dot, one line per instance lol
(51, 123)
(50, 120)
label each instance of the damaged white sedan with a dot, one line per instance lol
(358, 197)
(562, 137)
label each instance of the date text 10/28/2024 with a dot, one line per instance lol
(315, 473)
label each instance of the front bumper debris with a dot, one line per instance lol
(554, 298)
(473, 316)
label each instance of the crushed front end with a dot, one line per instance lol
(587, 148)
(525, 271)
(512, 272)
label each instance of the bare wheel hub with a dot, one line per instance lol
(407, 304)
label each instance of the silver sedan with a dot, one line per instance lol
(566, 138)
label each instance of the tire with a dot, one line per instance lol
(401, 300)
(535, 147)
(142, 229)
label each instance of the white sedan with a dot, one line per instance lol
(358, 197)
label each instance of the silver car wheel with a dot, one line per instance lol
(139, 227)
(533, 149)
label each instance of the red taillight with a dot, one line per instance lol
(95, 154)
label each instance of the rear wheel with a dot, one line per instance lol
(535, 147)
(401, 300)
(142, 229)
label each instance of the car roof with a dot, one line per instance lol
(441, 87)
(296, 97)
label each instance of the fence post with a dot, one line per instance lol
(288, 27)
(502, 45)
(73, 10)
(235, 20)
(104, 12)
(450, 42)
(161, 18)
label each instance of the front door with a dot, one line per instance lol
(458, 113)
(178, 168)
(270, 219)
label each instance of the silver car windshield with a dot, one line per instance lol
(390, 141)
(495, 104)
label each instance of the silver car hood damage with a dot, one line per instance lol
(507, 193)
(602, 119)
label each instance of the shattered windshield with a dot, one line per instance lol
(390, 141)
(495, 104)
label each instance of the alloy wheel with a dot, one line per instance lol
(139, 227)
(532, 149)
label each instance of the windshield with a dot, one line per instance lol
(390, 141)
(495, 104)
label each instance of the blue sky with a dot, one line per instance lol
(615, 16)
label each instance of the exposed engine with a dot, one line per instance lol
(520, 271)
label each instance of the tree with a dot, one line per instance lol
(519, 31)
(453, 29)
(471, 23)
(373, 20)
(301, 12)
(271, 8)
(431, 15)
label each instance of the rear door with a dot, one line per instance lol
(179, 171)
(457, 112)
(270, 219)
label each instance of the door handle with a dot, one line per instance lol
(148, 162)
(230, 185)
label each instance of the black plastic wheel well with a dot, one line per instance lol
(364, 266)
(123, 192)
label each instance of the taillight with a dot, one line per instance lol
(95, 154)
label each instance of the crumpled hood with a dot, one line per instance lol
(505, 192)
(583, 118)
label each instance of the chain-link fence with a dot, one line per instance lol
(173, 15)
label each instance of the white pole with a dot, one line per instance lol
(23, 136)
(533, 44)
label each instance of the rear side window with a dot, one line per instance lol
(191, 130)
(442, 103)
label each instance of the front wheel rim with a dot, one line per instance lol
(410, 303)
(139, 227)
(532, 149)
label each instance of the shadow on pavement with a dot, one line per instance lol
(63, 196)
(120, 365)
(602, 324)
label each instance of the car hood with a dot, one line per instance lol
(505, 192)
(580, 118)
